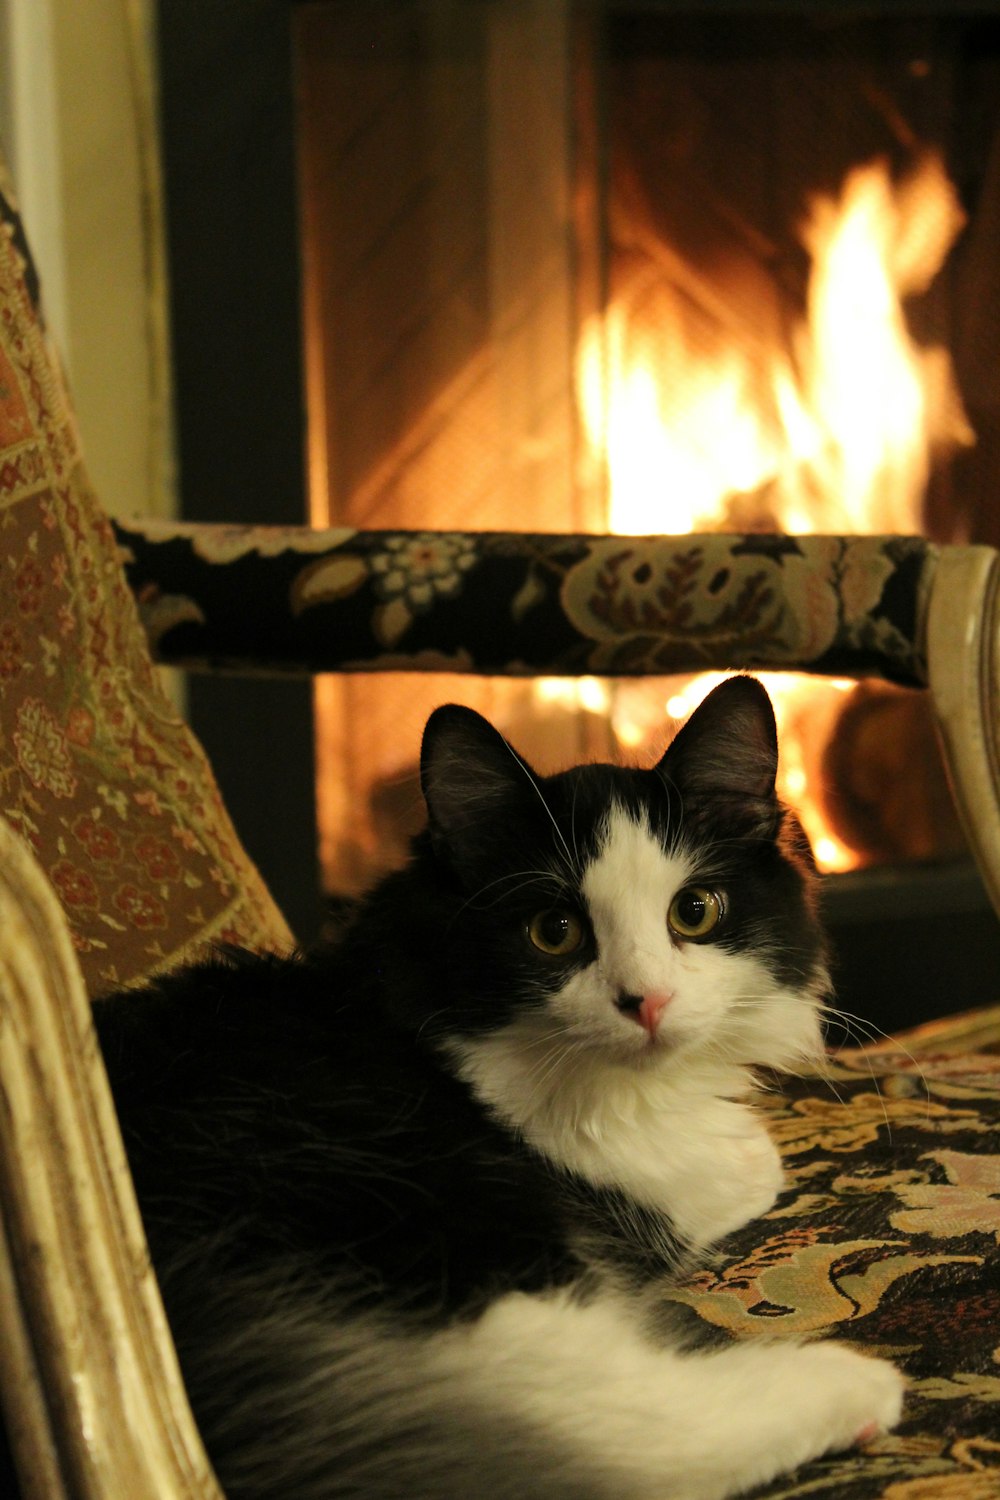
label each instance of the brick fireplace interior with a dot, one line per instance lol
(396, 227)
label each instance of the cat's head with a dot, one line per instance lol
(641, 913)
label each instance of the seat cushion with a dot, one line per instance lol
(98, 772)
(887, 1236)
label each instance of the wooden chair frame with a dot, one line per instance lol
(962, 646)
(93, 1398)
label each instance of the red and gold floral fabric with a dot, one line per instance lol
(98, 772)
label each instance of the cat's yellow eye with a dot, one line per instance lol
(557, 932)
(695, 912)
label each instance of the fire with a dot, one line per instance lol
(834, 432)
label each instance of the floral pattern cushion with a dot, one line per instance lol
(888, 1236)
(518, 604)
(97, 771)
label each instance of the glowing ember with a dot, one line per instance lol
(834, 433)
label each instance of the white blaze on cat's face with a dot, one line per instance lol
(690, 988)
(628, 889)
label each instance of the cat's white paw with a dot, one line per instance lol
(864, 1395)
(830, 1398)
(739, 1180)
(759, 1170)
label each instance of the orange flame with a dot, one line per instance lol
(834, 432)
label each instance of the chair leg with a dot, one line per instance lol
(962, 617)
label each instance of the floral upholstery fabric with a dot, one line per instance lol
(517, 604)
(97, 771)
(888, 1236)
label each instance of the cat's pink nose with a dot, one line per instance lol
(645, 1009)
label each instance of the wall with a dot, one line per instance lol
(77, 122)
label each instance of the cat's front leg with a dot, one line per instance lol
(731, 1175)
(639, 1421)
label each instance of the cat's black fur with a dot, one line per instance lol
(315, 1176)
(280, 1121)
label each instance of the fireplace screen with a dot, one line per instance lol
(627, 268)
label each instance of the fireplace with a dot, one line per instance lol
(636, 269)
(546, 243)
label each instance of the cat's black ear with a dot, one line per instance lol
(729, 746)
(471, 777)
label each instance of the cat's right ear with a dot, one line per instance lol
(470, 777)
(729, 745)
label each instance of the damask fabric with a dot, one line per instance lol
(97, 771)
(520, 604)
(888, 1236)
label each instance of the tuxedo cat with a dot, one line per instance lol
(414, 1200)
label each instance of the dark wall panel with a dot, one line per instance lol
(227, 117)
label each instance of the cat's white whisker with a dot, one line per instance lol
(861, 1029)
(548, 811)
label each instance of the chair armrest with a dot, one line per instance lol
(963, 655)
(289, 599)
(93, 1396)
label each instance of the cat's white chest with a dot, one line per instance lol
(679, 1147)
(710, 1165)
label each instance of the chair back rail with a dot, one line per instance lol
(291, 599)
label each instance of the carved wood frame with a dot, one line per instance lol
(962, 644)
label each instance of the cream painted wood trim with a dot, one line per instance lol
(88, 1371)
(963, 668)
(29, 1432)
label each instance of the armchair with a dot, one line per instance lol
(117, 858)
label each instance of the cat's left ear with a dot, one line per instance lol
(470, 776)
(729, 746)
